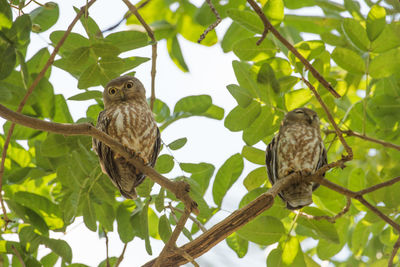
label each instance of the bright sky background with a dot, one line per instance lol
(208, 140)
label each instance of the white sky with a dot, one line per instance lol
(208, 140)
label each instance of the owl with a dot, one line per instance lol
(129, 120)
(298, 147)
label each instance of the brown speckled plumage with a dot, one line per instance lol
(127, 118)
(297, 147)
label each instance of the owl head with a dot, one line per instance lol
(302, 115)
(123, 89)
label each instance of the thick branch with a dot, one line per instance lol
(179, 188)
(199, 224)
(29, 92)
(150, 33)
(268, 26)
(212, 26)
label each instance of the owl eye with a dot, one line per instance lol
(299, 111)
(112, 90)
(129, 84)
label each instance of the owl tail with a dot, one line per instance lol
(298, 195)
(131, 194)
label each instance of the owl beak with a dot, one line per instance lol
(122, 94)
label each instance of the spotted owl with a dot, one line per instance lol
(298, 147)
(129, 120)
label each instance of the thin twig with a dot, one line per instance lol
(378, 186)
(187, 256)
(28, 93)
(331, 119)
(150, 33)
(18, 256)
(179, 188)
(329, 218)
(171, 244)
(362, 136)
(270, 27)
(394, 252)
(107, 258)
(199, 224)
(212, 26)
(121, 257)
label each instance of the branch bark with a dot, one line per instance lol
(27, 95)
(212, 26)
(179, 188)
(268, 27)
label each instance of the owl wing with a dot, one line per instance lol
(271, 159)
(156, 149)
(105, 154)
(323, 160)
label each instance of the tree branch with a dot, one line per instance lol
(362, 136)
(121, 257)
(18, 256)
(150, 33)
(171, 244)
(378, 186)
(179, 188)
(329, 218)
(107, 258)
(268, 27)
(212, 26)
(28, 93)
(331, 119)
(199, 224)
(394, 252)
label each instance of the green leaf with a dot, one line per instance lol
(90, 26)
(20, 31)
(201, 173)
(159, 201)
(8, 58)
(261, 126)
(244, 76)
(49, 260)
(273, 9)
(144, 189)
(356, 179)
(45, 16)
(191, 31)
(297, 98)
(161, 111)
(264, 230)
(326, 249)
(312, 24)
(38, 61)
(237, 244)
(348, 60)
(195, 105)
(376, 22)
(356, 33)
(73, 41)
(165, 163)
(61, 113)
(226, 177)
(254, 155)
(266, 75)
(386, 64)
(164, 228)
(88, 95)
(90, 77)
(242, 96)
(255, 178)
(5, 15)
(359, 238)
(175, 53)
(234, 33)
(105, 50)
(240, 118)
(89, 214)
(125, 228)
(321, 229)
(214, 112)
(247, 49)
(58, 246)
(127, 40)
(247, 19)
(178, 143)
(388, 39)
(144, 226)
(55, 145)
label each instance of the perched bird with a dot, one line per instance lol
(298, 147)
(129, 120)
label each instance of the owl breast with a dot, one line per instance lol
(298, 150)
(134, 127)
